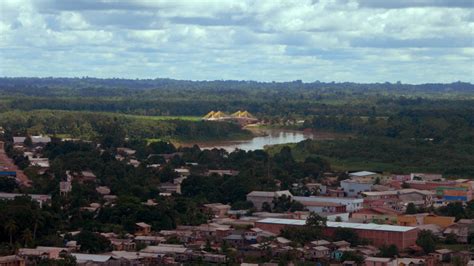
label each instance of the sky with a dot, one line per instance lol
(412, 41)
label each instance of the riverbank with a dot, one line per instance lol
(261, 139)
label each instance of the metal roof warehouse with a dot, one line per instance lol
(370, 226)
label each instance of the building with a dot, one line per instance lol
(12, 260)
(354, 188)
(65, 187)
(41, 199)
(352, 204)
(398, 199)
(258, 198)
(401, 236)
(425, 218)
(222, 172)
(218, 209)
(375, 215)
(461, 229)
(40, 140)
(143, 229)
(179, 252)
(319, 207)
(92, 259)
(461, 193)
(169, 187)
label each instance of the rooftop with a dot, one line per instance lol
(369, 226)
(91, 257)
(362, 173)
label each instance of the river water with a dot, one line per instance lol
(265, 137)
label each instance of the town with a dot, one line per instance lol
(237, 133)
(327, 218)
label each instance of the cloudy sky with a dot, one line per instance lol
(413, 41)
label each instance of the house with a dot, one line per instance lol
(341, 244)
(126, 151)
(178, 252)
(19, 140)
(93, 207)
(398, 199)
(462, 229)
(458, 193)
(135, 258)
(214, 258)
(235, 240)
(363, 175)
(42, 163)
(39, 198)
(320, 243)
(425, 218)
(65, 187)
(317, 252)
(92, 259)
(375, 215)
(123, 244)
(320, 206)
(182, 172)
(83, 176)
(103, 190)
(168, 187)
(426, 177)
(316, 188)
(40, 140)
(41, 252)
(258, 198)
(443, 255)
(375, 261)
(409, 262)
(12, 260)
(218, 209)
(353, 188)
(143, 229)
(149, 240)
(72, 245)
(222, 172)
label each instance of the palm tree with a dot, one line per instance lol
(27, 236)
(39, 220)
(11, 228)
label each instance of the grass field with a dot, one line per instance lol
(161, 118)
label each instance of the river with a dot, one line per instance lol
(265, 137)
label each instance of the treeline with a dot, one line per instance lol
(164, 83)
(393, 155)
(277, 99)
(111, 129)
(436, 125)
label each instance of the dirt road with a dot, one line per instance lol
(6, 164)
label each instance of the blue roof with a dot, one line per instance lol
(7, 173)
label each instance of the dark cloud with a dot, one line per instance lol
(387, 42)
(415, 3)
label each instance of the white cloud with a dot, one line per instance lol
(265, 40)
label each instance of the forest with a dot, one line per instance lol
(425, 127)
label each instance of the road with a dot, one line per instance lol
(6, 164)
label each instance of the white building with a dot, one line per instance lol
(352, 204)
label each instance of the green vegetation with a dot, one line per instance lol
(115, 127)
